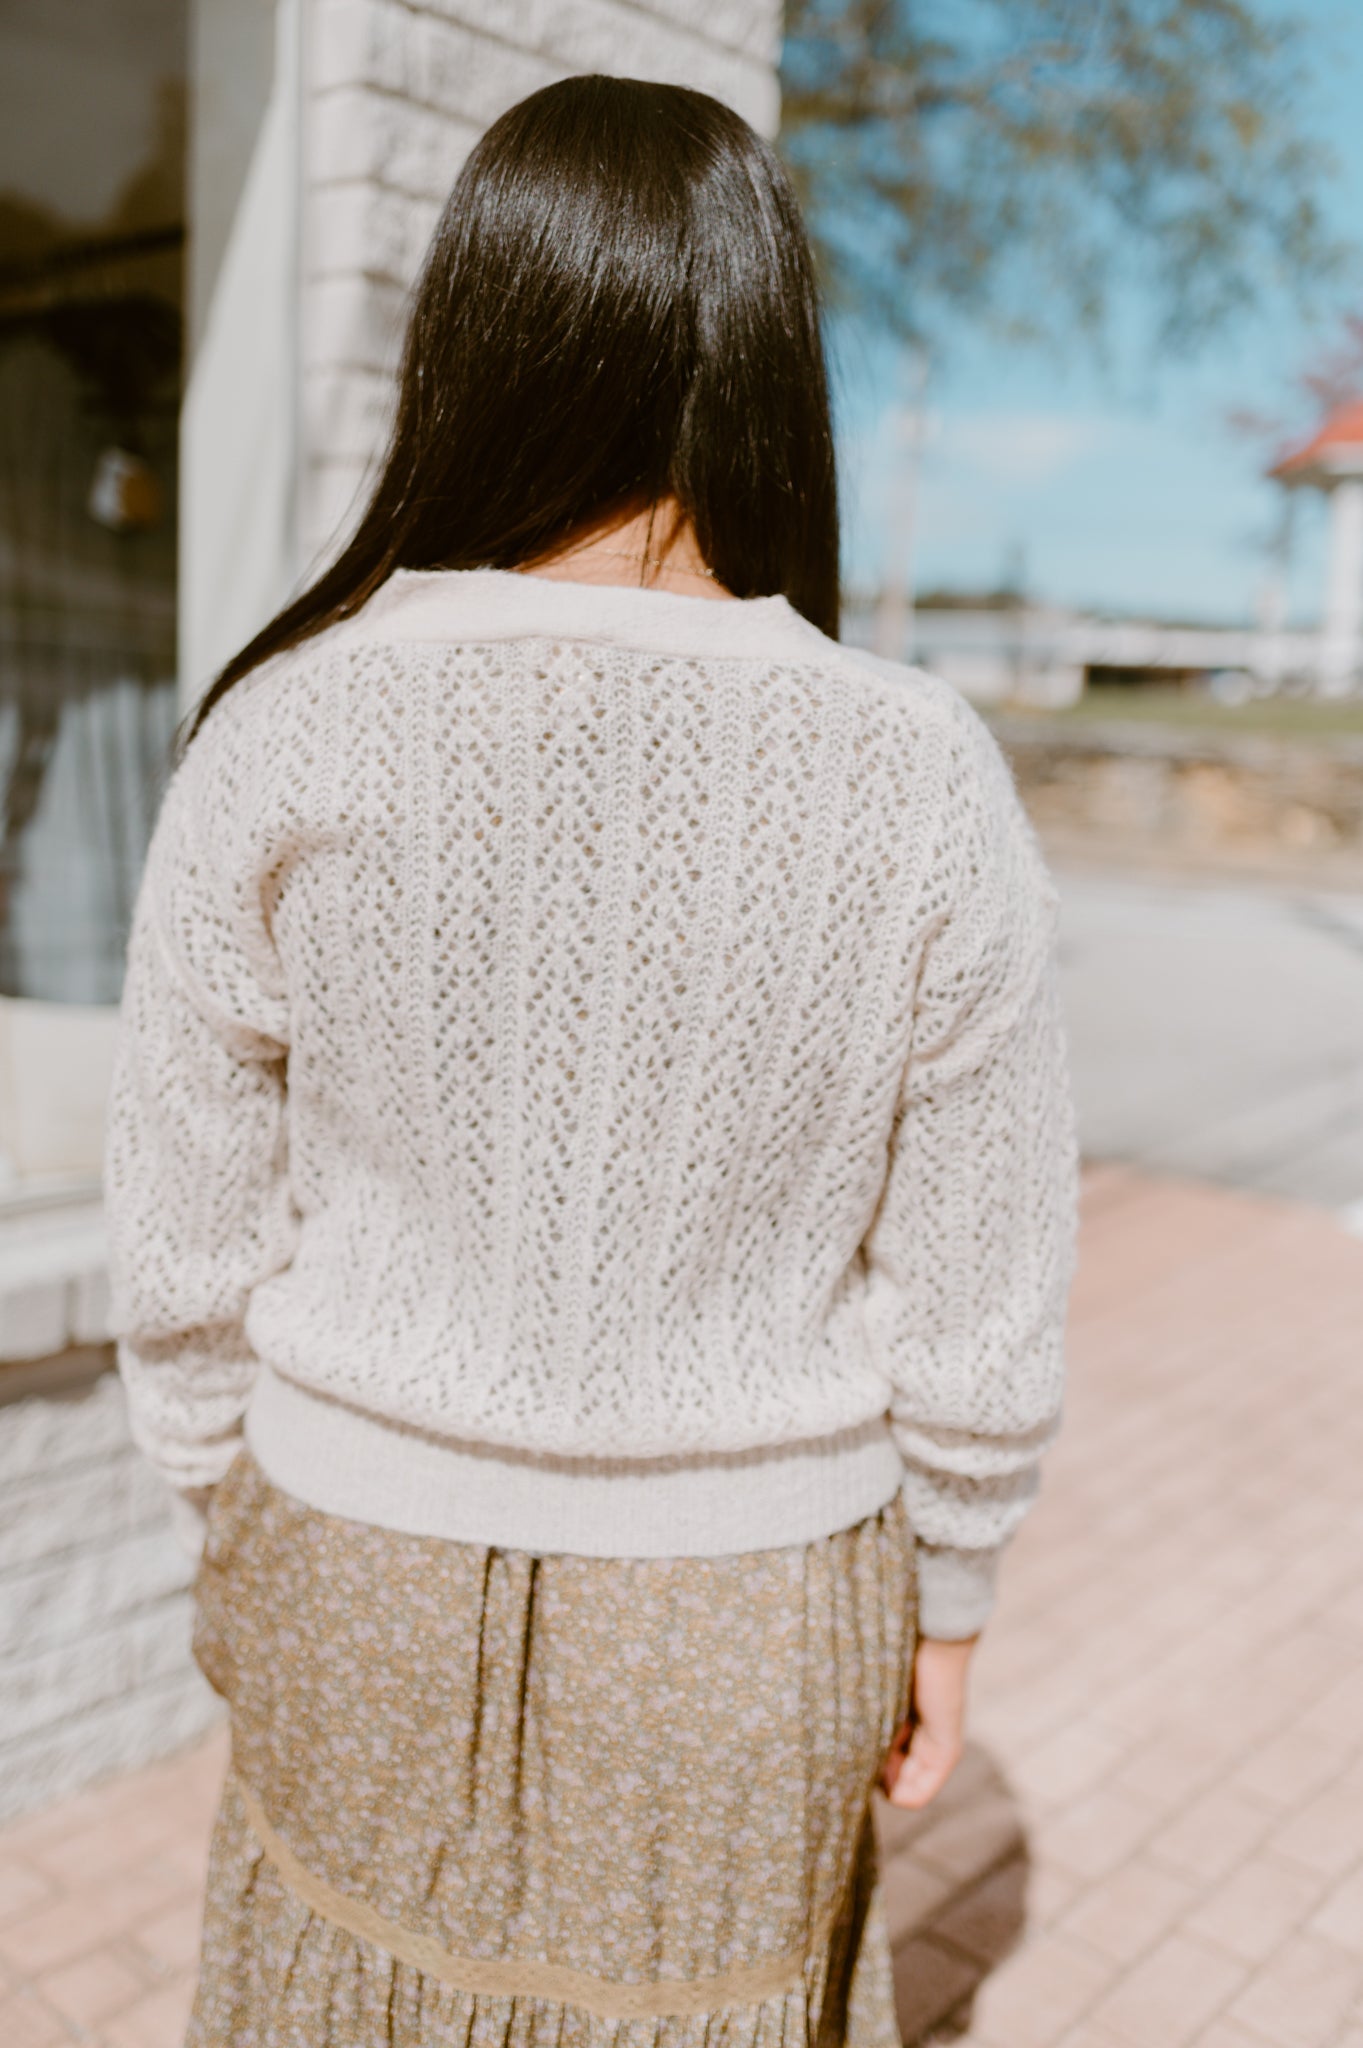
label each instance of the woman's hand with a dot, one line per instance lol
(927, 1748)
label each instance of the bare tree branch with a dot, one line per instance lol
(1013, 159)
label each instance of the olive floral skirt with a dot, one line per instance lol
(499, 1801)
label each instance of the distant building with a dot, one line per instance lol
(1332, 461)
(1045, 656)
(1000, 647)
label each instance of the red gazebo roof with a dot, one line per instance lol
(1334, 450)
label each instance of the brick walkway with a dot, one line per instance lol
(1156, 1836)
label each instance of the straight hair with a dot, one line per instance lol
(618, 303)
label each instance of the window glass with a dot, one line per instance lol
(91, 298)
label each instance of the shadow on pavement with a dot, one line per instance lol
(955, 1885)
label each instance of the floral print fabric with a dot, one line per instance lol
(602, 1800)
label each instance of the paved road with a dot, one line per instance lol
(1217, 1031)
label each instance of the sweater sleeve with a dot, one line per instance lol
(970, 1252)
(196, 1187)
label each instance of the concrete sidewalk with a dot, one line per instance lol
(1156, 1836)
(1216, 1030)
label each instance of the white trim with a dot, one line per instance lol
(239, 421)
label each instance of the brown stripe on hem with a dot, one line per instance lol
(665, 1998)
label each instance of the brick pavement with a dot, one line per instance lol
(1155, 1839)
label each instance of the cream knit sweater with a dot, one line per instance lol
(590, 1079)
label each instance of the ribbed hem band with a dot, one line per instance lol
(345, 1462)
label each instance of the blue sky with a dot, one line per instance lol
(1125, 492)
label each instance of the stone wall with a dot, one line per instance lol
(1235, 802)
(396, 95)
(95, 1673)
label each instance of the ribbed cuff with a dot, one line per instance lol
(956, 1590)
(189, 1518)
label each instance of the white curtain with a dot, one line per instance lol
(76, 860)
(87, 654)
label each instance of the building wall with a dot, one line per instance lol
(342, 147)
(395, 96)
(95, 1672)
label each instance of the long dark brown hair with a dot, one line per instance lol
(618, 303)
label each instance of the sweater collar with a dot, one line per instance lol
(500, 604)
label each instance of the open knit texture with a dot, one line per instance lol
(591, 1077)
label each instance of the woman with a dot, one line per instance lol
(590, 1167)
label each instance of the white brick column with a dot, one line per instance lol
(394, 96)
(95, 1670)
(1342, 625)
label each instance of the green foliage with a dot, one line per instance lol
(1014, 160)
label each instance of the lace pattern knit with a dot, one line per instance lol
(596, 1024)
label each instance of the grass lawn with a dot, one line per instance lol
(1302, 718)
